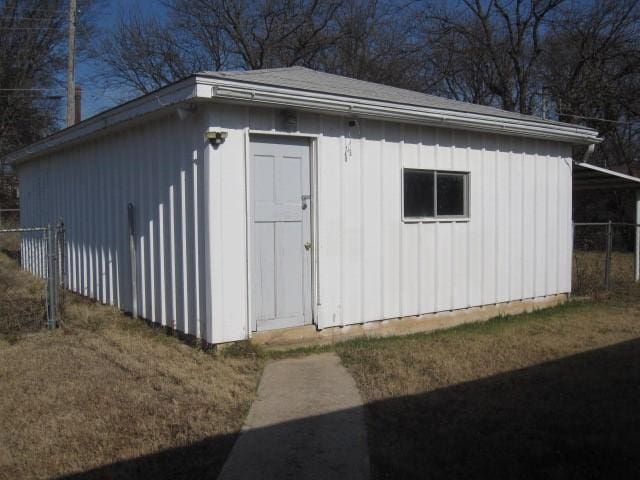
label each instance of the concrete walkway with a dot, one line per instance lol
(307, 423)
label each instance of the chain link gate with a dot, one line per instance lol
(605, 256)
(41, 250)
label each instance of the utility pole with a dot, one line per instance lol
(71, 65)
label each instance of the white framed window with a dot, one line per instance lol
(434, 194)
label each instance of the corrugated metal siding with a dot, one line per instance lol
(372, 265)
(227, 225)
(34, 245)
(156, 166)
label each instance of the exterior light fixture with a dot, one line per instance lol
(215, 137)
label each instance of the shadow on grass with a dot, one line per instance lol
(201, 460)
(577, 417)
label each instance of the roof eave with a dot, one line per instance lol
(168, 96)
(257, 94)
(206, 88)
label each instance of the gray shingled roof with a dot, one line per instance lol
(300, 78)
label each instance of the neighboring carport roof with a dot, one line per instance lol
(590, 177)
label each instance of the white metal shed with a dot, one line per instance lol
(287, 197)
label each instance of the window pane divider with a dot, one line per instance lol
(436, 218)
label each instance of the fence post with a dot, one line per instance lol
(61, 254)
(637, 249)
(607, 261)
(61, 264)
(132, 255)
(573, 253)
(52, 307)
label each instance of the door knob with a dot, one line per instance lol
(305, 199)
(307, 246)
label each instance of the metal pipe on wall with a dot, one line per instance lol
(637, 246)
(607, 261)
(132, 257)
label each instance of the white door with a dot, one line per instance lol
(281, 233)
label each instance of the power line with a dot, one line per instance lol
(29, 16)
(27, 98)
(33, 20)
(23, 19)
(598, 119)
(39, 9)
(27, 28)
(29, 89)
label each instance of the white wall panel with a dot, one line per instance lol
(541, 226)
(444, 266)
(488, 185)
(190, 204)
(391, 211)
(372, 184)
(502, 223)
(475, 236)
(565, 220)
(516, 219)
(528, 217)
(354, 295)
(89, 187)
(372, 265)
(331, 146)
(227, 223)
(553, 243)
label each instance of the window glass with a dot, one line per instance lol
(418, 193)
(450, 194)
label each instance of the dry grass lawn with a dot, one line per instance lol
(107, 396)
(589, 266)
(22, 302)
(552, 394)
(10, 242)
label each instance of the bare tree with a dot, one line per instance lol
(144, 54)
(367, 39)
(592, 74)
(375, 41)
(580, 56)
(457, 68)
(487, 49)
(31, 37)
(281, 34)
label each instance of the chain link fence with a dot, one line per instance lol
(30, 301)
(604, 256)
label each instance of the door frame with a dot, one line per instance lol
(315, 250)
